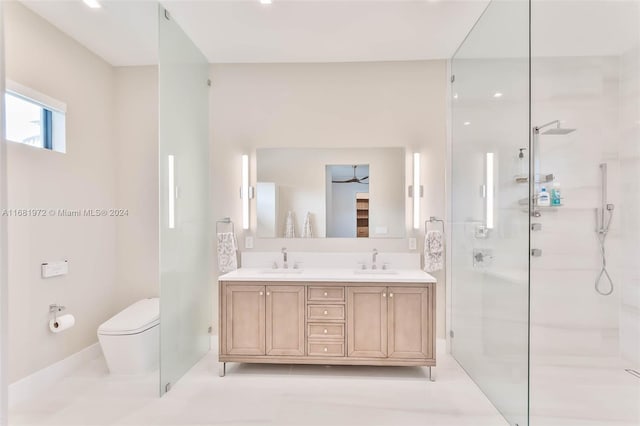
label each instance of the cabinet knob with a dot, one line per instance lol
(268, 293)
(390, 294)
(326, 349)
(261, 293)
(326, 312)
(325, 331)
(326, 294)
(384, 294)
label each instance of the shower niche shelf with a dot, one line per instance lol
(525, 202)
(546, 178)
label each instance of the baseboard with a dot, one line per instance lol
(49, 376)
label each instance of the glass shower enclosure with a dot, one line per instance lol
(489, 219)
(185, 232)
(545, 210)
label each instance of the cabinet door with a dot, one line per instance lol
(285, 320)
(245, 320)
(367, 322)
(411, 322)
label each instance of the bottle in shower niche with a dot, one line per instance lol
(543, 197)
(556, 199)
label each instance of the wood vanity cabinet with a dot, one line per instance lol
(263, 320)
(390, 322)
(285, 320)
(327, 323)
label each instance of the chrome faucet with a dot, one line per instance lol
(285, 265)
(374, 257)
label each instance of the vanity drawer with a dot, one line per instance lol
(325, 312)
(325, 348)
(325, 331)
(327, 294)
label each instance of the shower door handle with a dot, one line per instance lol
(536, 252)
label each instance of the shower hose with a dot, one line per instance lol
(604, 275)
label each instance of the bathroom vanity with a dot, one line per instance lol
(327, 316)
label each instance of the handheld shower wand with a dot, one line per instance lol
(602, 230)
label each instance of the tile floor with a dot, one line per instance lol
(582, 391)
(265, 395)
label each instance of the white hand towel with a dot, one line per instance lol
(289, 227)
(433, 251)
(227, 252)
(307, 232)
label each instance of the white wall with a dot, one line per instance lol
(569, 318)
(136, 136)
(357, 105)
(41, 57)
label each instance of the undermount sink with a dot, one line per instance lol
(281, 271)
(375, 271)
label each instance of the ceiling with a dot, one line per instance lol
(124, 32)
(121, 32)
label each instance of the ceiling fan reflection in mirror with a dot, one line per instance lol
(354, 179)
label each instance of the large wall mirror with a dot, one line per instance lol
(330, 192)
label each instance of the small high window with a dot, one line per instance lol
(34, 119)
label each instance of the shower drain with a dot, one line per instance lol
(632, 372)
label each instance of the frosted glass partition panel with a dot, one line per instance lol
(490, 217)
(185, 286)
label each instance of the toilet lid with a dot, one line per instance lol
(135, 319)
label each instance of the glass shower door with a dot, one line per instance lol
(490, 206)
(185, 285)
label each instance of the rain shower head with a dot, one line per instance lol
(558, 131)
(554, 130)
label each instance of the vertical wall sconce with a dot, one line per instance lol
(490, 191)
(416, 191)
(172, 192)
(246, 192)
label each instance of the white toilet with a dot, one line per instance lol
(130, 340)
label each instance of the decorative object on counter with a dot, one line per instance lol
(289, 227)
(307, 231)
(433, 246)
(227, 247)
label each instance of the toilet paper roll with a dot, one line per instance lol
(62, 323)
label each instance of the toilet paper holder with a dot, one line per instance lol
(54, 309)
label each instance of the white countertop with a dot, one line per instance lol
(329, 275)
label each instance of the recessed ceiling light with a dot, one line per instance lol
(466, 123)
(93, 4)
(497, 95)
(265, 1)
